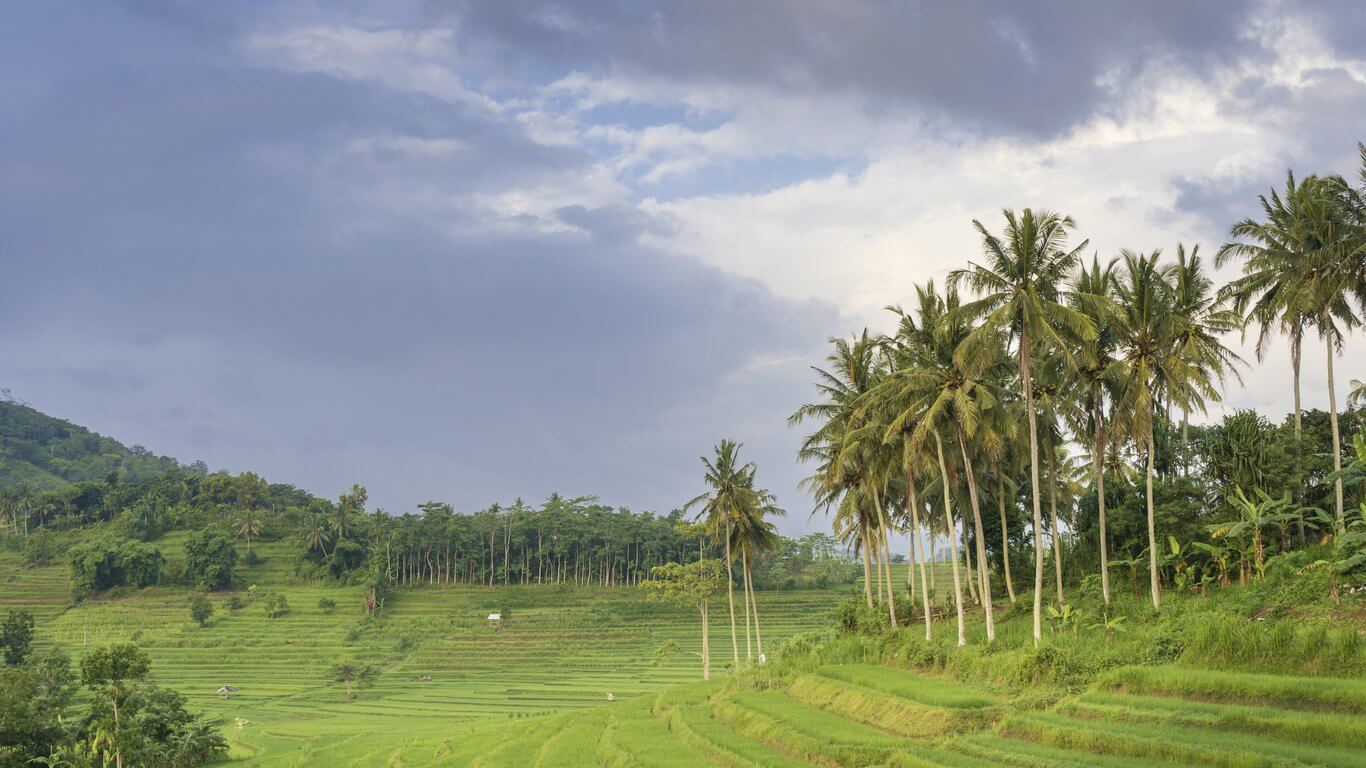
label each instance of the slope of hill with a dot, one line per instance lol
(42, 452)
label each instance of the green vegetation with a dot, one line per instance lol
(1196, 591)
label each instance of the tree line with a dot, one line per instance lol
(1039, 381)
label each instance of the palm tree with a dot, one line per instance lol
(1300, 266)
(840, 480)
(247, 524)
(924, 391)
(952, 394)
(1153, 366)
(754, 533)
(1093, 292)
(731, 491)
(1334, 271)
(1202, 317)
(1273, 252)
(1018, 289)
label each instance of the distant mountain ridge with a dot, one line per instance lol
(42, 452)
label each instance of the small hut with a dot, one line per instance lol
(496, 619)
(425, 679)
(227, 691)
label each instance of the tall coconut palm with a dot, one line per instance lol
(753, 533)
(1152, 366)
(1202, 317)
(1330, 276)
(1093, 292)
(931, 391)
(1020, 290)
(730, 491)
(1273, 250)
(904, 351)
(839, 482)
(1301, 265)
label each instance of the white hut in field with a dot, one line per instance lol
(226, 691)
(496, 619)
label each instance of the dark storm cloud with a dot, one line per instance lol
(996, 65)
(230, 262)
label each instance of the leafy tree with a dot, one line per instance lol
(16, 635)
(353, 674)
(114, 672)
(692, 585)
(200, 609)
(108, 562)
(210, 559)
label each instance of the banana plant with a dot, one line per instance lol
(1253, 517)
(1176, 560)
(1111, 624)
(1219, 552)
(1065, 618)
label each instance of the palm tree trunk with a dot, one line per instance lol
(744, 582)
(1034, 485)
(953, 544)
(754, 601)
(886, 556)
(967, 561)
(1005, 539)
(918, 544)
(1053, 512)
(983, 570)
(1296, 348)
(1152, 532)
(876, 546)
(1337, 438)
(1098, 461)
(730, 598)
(706, 645)
(867, 566)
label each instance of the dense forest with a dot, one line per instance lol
(564, 540)
(41, 452)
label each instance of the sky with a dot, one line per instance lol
(474, 251)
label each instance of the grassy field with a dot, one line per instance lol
(536, 692)
(561, 649)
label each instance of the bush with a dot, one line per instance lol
(236, 603)
(276, 605)
(111, 562)
(210, 559)
(327, 604)
(200, 609)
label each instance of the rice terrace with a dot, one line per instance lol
(1022, 347)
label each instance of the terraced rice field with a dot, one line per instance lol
(852, 716)
(443, 670)
(536, 692)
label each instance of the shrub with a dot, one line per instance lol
(111, 562)
(327, 604)
(210, 559)
(200, 609)
(276, 605)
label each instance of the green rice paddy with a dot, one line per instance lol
(572, 680)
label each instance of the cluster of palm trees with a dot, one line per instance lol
(1051, 349)
(736, 514)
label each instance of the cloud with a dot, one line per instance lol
(478, 250)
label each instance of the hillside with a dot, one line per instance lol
(42, 452)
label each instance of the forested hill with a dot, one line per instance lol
(41, 453)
